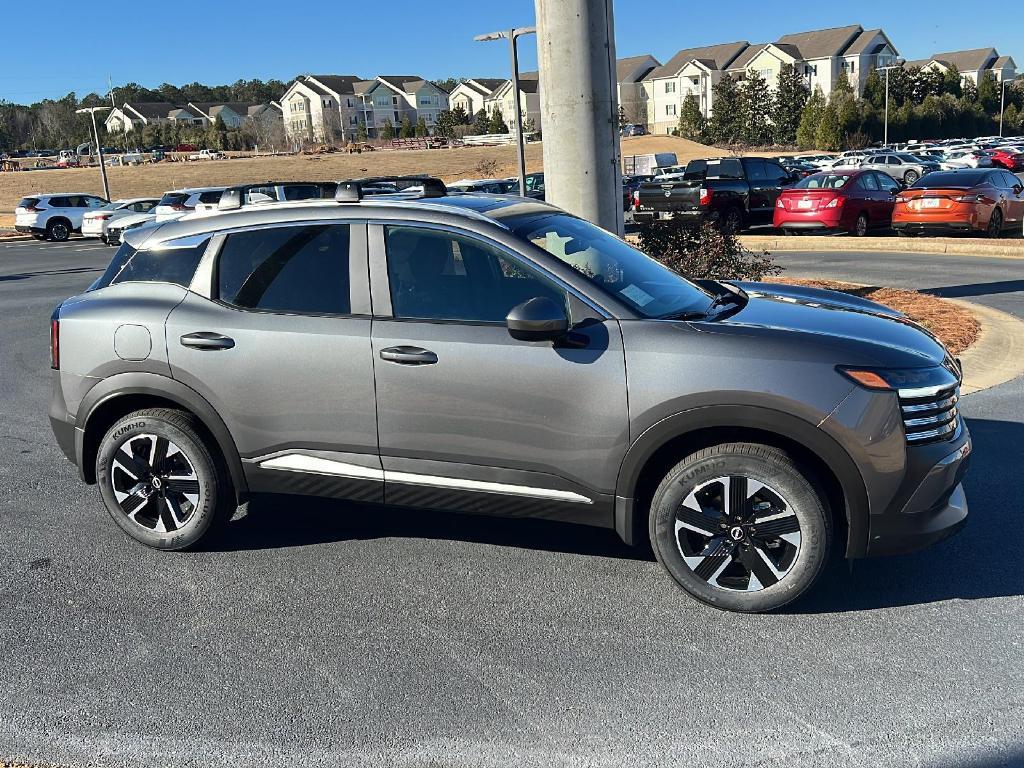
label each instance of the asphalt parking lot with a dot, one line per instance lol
(321, 633)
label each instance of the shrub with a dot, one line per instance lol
(704, 253)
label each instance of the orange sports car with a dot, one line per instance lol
(986, 201)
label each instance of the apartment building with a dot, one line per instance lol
(629, 78)
(472, 94)
(972, 64)
(134, 115)
(529, 102)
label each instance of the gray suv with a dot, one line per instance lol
(495, 355)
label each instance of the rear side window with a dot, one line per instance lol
(295, 270)
(28, 202)
(210, 198)
(170, 263)
(726, 168)
(59, 202)
(173, 198)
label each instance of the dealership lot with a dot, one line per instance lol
(329, 634)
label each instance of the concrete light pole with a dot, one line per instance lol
(1002, 104)
(512, 36)
(579, 109)
(899, 64)
(99, 149)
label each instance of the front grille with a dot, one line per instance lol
(930, 415)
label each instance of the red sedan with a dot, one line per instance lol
(1007, 158)
(851, 201)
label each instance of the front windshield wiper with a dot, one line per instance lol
(684, 315)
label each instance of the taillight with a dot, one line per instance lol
(636, 199)
(968, 199)
(779, 203)
(102, 216)
(705, 196)
(181, 207)
(835, 202)
(55, 341)
(901, 199)
(32, 209)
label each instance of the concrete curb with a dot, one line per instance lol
(18, 239)
(997, 356)
(1009, 249)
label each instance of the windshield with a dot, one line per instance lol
(614, 266)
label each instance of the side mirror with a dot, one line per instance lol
(539, 319)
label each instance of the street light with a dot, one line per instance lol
(512, 35)
(898, 65)
(99, 149)
(1002, 102)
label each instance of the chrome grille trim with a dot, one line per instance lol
(930, 414)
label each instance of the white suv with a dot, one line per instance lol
(54, 216)
(178, 202)
(95, 223)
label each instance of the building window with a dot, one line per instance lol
(767, 74)
(849, 66)
(695, 80)
(670, 86)
(671, 110)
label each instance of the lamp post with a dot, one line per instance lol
(99, 149)
(898, 65)
(512, 35)
(1002, 104)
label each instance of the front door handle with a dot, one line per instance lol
(207, 340)
(408, 355)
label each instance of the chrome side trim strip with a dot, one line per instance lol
(460, 484)
(297, 462)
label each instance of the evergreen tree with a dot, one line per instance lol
(810, 119)
(988, 93)
(692, 124)
(421, 127)
(790, 100)
(829, 134)
(387, 130)
(459, 116)
(481, 122)
(874, 89)
(361, 134)
(407, 131)
(498, 124)
(446, 122)
(952, 83)
(756, 106)
(726, 126)
(1011, 119)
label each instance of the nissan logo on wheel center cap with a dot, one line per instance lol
(736, 533)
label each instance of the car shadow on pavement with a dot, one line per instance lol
(983, 560)
(976, 289)
(43, 272)
(273, 521)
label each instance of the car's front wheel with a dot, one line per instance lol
(910, 177)
(740, 527)
(160, 481)
(58, 231)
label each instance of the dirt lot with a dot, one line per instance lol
(449, 164)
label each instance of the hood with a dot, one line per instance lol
(859, 331)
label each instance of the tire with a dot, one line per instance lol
(58, 230)
(910, 177)
(904, 233)
(708, 553)
(732, 221)
(995, 224)
(191, 491)
(860, 227)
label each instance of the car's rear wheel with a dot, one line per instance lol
(160, 481)
(732, 221)
(860, 226)
(740, 527)
(995, 224)
(58, 230)
(910, 177)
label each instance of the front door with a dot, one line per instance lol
(470, 418)
(280, 346)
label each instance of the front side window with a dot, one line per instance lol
(614, 266)
(293, 270)
(437, 275)
(869, 182)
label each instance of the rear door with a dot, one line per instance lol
(470, 418)
(275, 334)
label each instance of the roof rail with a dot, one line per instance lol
(354, 190)
(235, 197)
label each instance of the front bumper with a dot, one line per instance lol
(930, 505)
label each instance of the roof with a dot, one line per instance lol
(918, 63)
(721, 56)
(625, 67)
(741, 61)
(822, 43)
(151, 110)
(863, 43)
(485, 86)
(404, 83)
(238, 107)
(965, 61)
(339, 84)
(1002, 61)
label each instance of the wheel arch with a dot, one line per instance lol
(665, 443)
(125, 393)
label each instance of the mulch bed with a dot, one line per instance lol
(954, 325)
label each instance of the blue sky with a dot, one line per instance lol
(220, 42)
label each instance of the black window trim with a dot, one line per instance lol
(381, 284)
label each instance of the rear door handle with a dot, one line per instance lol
(408, 355)
(207, 340)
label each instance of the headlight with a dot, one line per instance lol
(897, 379)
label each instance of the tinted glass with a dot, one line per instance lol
(963, 179)
(300, 270)
(210, 198)
(755, 170)
(775, 172)
(438, 275)
(28, 202)
(168, 264)
(869, 182)
(613, 266)
(173, 198)
(823, 181)
(886, 182)
(59, 202)
(726, 168)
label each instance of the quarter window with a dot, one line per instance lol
(438, 275)
(173, 262)
(294, 270)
